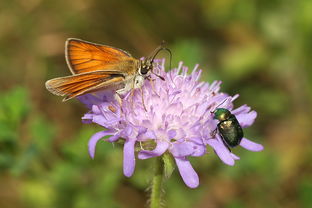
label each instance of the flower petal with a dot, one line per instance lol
(223, 153)
(87, 119)
(199, 150)
(175, 108)
(99, 119)
(159, 150)
(252, 146)
(241, 109)
(128, 131)
(235, 157)
(128, 157)
(187, 172)
(96, 109)
(141, 129)
(150, 134)
(94, 139)
(89, 100)
(182, 149)
(246, 119)
(202, 108)
(114, 138)
(171, 133)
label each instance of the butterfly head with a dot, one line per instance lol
(146, 65)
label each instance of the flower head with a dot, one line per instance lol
(172, 116)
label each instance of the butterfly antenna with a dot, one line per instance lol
(156, 51)
(157, 75)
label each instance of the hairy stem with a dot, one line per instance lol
(156, 190)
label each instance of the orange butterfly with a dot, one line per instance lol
(97, 67)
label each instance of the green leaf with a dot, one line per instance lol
(305, 190)
(42, 132)
(14, 106)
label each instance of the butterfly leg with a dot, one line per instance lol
(120, 95)
(122, 92)
(118, 98)
(142, 95)
(152, 84)
(131, 97)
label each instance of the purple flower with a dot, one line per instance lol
(177, 120)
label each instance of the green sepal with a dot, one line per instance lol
(169, 165)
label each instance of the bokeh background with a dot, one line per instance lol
(260, 49)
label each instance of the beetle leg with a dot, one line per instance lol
(213, 133)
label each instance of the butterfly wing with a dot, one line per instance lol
(79, 84)
(82, 56)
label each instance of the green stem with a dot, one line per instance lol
(157, 183)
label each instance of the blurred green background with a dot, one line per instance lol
(260, 49)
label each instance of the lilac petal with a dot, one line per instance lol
(246, 119)
(141, 129)
(94, 139)
(196, 140)
(89, 100)
(241, 109)
(181, 133)
(147, 124)
(182, 149)
(86, 120)
(87, 116)
(184, 71)
(146, 136)
(235, 97)
(175, 107)
(219, 138)
(199, 150)
(128, 157)
(128, 131)
(171, 133)
(215, 86)
(179, 68)
(198, 74)
(175, 93)
(106, 95)
(223, 153)
(249, 145)
(150, 135)
(235, 157)
(187, 172)
(195, 69)
(225, 102)
(99, 119)
(202, 108)
(114, 138)
(159, 150)
(96, 109)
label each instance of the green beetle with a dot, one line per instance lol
(229, 127)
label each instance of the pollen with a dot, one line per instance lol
(112, 108)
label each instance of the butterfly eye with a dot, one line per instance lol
(146, 67)
(144, 70)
